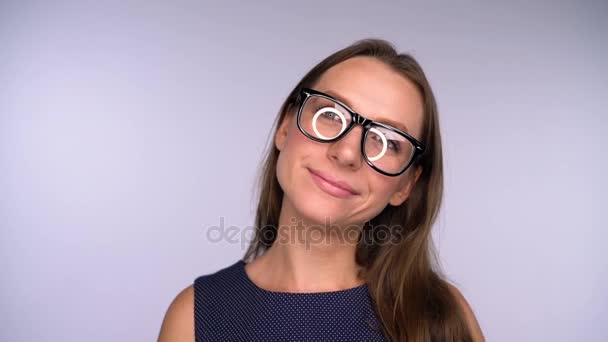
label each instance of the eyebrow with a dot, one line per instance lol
(381, 120)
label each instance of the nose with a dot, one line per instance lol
(346, 152)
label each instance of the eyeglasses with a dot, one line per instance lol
(385, 149)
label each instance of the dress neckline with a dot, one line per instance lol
(241, 267)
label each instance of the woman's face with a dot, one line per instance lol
(375, 91)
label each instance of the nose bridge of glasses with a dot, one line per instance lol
(361, 120)
(357, 119)
(349, 136)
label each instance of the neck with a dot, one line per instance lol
(308, 257)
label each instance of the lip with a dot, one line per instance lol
(331, 185)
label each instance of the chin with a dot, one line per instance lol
(318, 208)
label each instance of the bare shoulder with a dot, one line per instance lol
(178, 324)
(469, 315)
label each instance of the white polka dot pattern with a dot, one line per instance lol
(228, 306)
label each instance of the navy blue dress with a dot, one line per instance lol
(228, 306)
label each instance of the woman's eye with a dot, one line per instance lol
(330, 115)
(391, 144)
(394, 145)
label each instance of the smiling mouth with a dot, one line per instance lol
(330, 187)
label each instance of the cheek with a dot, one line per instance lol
(382, 187)
(293, 157)
(295, 139)
(298, 147)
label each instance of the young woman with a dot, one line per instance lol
(350, 189)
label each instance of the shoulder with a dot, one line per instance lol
(178, 324)
(208, 289)
(469, 316)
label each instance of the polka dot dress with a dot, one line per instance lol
(228, 306)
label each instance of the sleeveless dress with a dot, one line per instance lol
(228, 306)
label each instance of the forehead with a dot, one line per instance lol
(375, 91)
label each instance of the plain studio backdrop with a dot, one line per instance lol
(128, 129)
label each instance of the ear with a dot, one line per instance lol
(404, 191)
(280, 137)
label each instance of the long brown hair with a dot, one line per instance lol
(411, 298)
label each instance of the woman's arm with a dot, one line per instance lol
(178, 325)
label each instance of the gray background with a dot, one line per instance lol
(128, 129)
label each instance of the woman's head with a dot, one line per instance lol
(374, 80)
(374, 89)
(380, 84)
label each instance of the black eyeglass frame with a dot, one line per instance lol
(357, 119)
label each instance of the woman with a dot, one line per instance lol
(349, 192)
